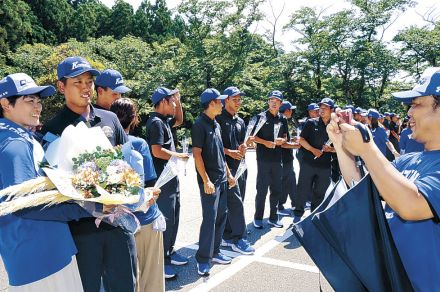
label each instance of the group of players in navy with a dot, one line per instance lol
(108, 258)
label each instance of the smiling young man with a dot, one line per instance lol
(233, 131)
(269, 161)
(411, 185)
(109, 87)
(167, 114)
(106, 252)
(35, 244)
(314, 177)
(213, 177)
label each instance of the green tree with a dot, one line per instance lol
(15, 24)
(121, 19)
(55, 18)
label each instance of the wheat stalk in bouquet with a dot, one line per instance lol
(242, 167)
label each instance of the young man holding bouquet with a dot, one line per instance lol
(213, 177)
(106, 252)
(167, 114)
(35, 244)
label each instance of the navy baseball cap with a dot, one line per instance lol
(350, 107)
(313, 107)
(373, 113)
(358, 110)
(233, 91)
(160, 93)
(276, 93)
(20, 84)
(387, 114)
(285, 105)
(428, 84)
(112, 79)
(328, 102)
(74, 66)
(211, 94)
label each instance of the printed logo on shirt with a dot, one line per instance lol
(18, 131)
(389, 215)
(411, 174)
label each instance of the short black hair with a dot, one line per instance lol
(12, 100)
(205, 105)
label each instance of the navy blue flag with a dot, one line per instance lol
(349, 240)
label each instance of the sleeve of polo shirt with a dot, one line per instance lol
(197, 136)
(429, 186)
(149, 171)
(17, 163)
(121, 136)
(307, 130)
(156, 133)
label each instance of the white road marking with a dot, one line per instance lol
(244, 261)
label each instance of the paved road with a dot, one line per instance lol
(279, 264)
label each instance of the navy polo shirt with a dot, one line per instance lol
(315, 132)
(159, 133)
(233, 131)
(107, 120)
(287, 153)
(206, 134)
(266, 133)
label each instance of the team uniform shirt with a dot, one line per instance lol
(267, 133)
(159, 133)
(380, 137)
(233, 131)
(407, 144)
(141, 146)
(34, 243)
(315, 132)
(287, 154)
(108, 121)
(206, 135)
(418, 242)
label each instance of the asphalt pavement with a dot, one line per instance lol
(279, 263)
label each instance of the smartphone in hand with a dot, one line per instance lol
(345, 116)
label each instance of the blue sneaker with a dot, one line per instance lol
(227, 242)
(178, 260)
(203, 269)
(243, 247)
(170, 273)
(275, 223)
(221, 259)
(258, 224)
